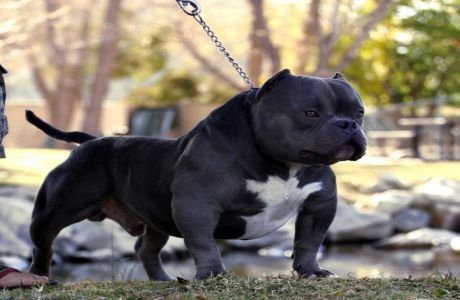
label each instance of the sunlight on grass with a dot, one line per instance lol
(29, 166)
(409, 171)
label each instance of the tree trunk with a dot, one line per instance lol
(209, 65)
(106, 56)
(311, 33)
(260, 43)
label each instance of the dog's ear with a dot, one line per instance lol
(269, 84)
(338, 76)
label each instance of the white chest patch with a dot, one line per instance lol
(282, 199)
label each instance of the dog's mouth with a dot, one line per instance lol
(349, 151)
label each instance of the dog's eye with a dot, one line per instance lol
(312, 113)
(359, 114)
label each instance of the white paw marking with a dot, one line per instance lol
(282, 199)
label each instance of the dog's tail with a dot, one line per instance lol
(70, 137)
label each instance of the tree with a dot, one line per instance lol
(326, 42)
(424, 59)
(333, 33)
(261, 44)
(414, 56)
(60, 74)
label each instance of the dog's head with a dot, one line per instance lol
(309, 120)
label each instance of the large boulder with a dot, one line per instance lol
(351, 225)
(14, 231)
(386, 182)
(410, 219)
(94, 241)
(281, 239)
(103, 241)
(19, 192)
(441, 197)
(440, 190)
(445, 215)
(418, 239)
(392, 201)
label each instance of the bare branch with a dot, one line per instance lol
(38, 77)
(377, 15)
(209, 66)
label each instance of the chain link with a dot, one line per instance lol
(195, 14)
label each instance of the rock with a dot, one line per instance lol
(86, 241)
(79, 240)
(391, 202)
(19, 192)
(455, 244)
(386, 182)
(13, 261)
(351, 225)
(441, 197)
(440, 190)
(417, 239)
(175, 249)
(445, 215)
(282, 239)
(14, 231)
(410, 219)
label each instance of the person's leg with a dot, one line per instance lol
(10, 277)
(3, 120)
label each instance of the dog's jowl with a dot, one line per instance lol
(253, 163)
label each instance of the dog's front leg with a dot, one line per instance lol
(197, 222)
(311, 226)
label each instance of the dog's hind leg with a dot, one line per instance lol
(58, 205)
(148, 248)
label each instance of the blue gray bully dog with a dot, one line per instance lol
(241, 173)
(3, 120)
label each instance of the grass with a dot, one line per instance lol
(409, 171)
(29, 166)
(232, 287)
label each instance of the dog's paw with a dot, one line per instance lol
(209, 272)
(320, 273)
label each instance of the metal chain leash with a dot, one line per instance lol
(192, 8)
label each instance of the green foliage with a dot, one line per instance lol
(144, 59)
(170, 89)
(215, 93)
(141, 56)
(413, 56)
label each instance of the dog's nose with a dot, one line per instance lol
(349, 126)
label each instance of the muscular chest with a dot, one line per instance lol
(281, 198)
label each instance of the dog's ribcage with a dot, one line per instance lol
(282, 199)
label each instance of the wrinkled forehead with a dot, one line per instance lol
(322, 93)
(344, 93)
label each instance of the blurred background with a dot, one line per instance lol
(118, 67)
